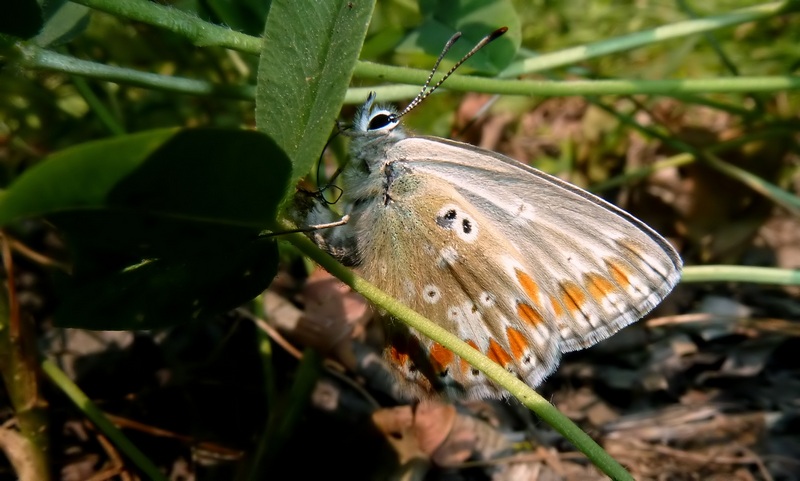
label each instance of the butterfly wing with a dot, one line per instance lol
(517, 263)
(591, 267)
(425, 244)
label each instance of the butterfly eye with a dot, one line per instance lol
(382, 120)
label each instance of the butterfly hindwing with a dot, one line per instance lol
(444, 258)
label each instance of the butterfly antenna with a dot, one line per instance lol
(425, 92)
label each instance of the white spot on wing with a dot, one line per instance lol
(447, 257)
(431, 294)
(471, 312)
(453, 218)
(524, 214)
(408, 288)
(540, 335)
(466, 315)
(467, 228)
(455, 314)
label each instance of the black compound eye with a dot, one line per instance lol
(381, 121)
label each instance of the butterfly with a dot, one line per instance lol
(521, 265)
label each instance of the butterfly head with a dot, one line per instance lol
(376, 120)
(375, 129)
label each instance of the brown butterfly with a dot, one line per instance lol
(519, 264)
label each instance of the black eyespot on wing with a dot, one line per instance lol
(381, 120)
(446, 220)
(466, 226)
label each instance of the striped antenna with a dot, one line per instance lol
(425, 92)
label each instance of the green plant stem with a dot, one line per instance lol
(205, 34)
(284, 419)
(103, 114)
(685, 28)
(550, 88)
(724, 58)
(199, 32)
(265, 442)
(769, 190)
(634, 175)
(683, 159)
(39, 58)
(712, 40)
(757, 275)
(18, 367)
(202, 33)
(514, 386)
(510, 382)
(94, 413)
(266, 353)
(785, 199)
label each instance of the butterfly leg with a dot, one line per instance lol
(333, 235)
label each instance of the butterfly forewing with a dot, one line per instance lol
(597, 267)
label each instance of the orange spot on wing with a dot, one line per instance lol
(517, 342)
(440, 357)
(573, 297)
(631, 246)
(497, 354)
(529, 286)
(396, 356)
(599, 287)
(528, 314)
(465, 366)
(557, 309)
(619, 273)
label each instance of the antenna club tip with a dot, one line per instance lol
(498, 32)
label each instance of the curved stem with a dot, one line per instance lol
(758, 275)
(631, 41)
(94, 413)
(36, 57)
(198, 31)
(508, 381)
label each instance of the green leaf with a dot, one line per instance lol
(215, 176)
(21, 18)
(474, 19)
(63, 21)
(309, 52)
(162, 225)
(170, 291)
